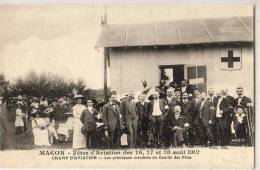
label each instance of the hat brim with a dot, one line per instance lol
(78, 96)
(239, 106)
(68, 113)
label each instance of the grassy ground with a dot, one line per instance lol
(25, 141)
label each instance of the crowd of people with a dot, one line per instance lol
(174, 117)
(41, 114)
(168, 116)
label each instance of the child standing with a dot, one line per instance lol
(240, 125)
(19, 124)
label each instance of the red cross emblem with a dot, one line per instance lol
(231, 59)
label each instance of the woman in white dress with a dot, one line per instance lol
(39, 128)
(79, 140)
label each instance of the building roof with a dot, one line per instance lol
(192, 31)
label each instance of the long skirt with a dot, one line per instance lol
(79, 140)
(41, 137)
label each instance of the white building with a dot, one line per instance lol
(214, 52)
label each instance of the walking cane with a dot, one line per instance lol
(249, 122)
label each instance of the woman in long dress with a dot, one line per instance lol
(39, 128)
(79, 140)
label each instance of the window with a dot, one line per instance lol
(197, 75)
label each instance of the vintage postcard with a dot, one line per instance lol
(127, 86)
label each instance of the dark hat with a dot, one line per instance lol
(19, 104)
(239, 106)
(177, 89)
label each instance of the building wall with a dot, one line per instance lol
(128, 67)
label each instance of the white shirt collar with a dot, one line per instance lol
(169, 98)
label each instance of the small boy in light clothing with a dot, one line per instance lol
(240, 125)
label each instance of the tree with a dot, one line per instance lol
(3, 86)
(46, 85)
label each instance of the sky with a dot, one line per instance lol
(61, 38)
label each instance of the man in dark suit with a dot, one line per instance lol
(204, 120)
(130, 118)
(171, 102)
(4, 137)
(156, 116)
(177, 94)
(211, 95)
(143, 121)
(213, 98)
(222, 126)
(185, 87)
(162, 89)
(188, 111)
(178, 127)
(187, 108)
(241, 99)
(231, 102)
(246, 102)
(170, 99)
(196, 99)
(112, 120)
(88, 119)
(229, 98)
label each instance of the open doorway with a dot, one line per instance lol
(195, 75)
(171, 73)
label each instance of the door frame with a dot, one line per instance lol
(167, 67)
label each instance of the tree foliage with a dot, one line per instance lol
(45, 84)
